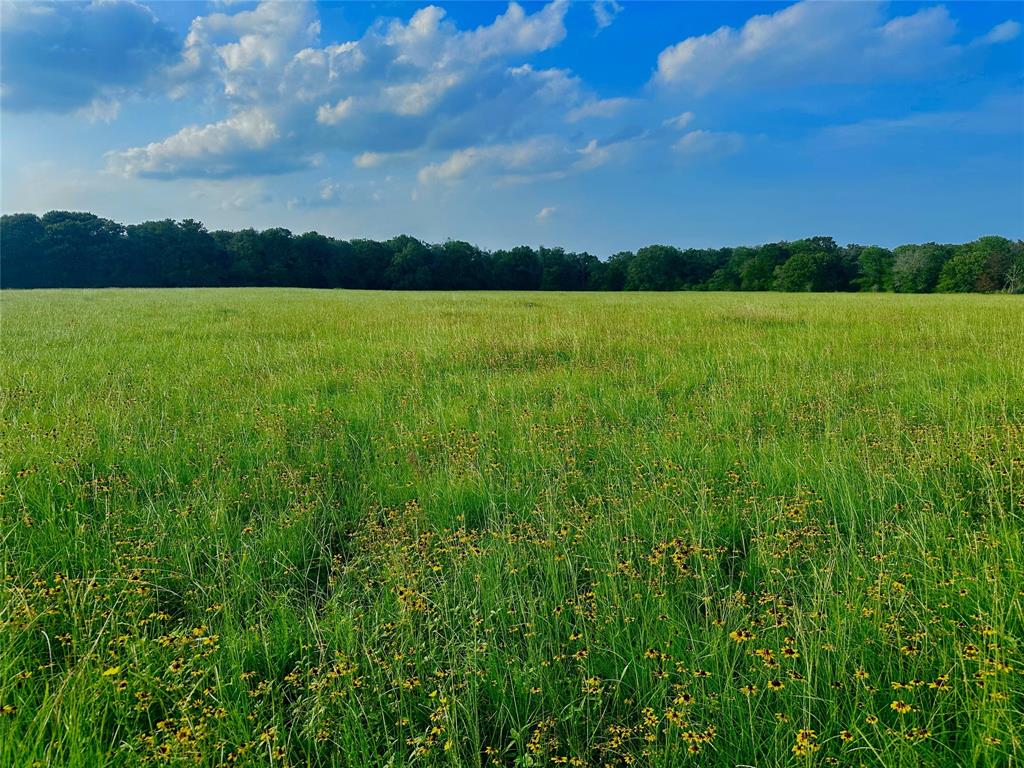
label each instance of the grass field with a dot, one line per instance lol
(285, 527)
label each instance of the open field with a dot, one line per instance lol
(287, 527)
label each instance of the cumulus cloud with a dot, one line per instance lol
(332, 115)
(605, 12)
(241, 55)
(421, 85)
(834, 42)
(208, 150)
(545, 213)
(61, 57)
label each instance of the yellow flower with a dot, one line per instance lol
(111, 671)
(900, 706)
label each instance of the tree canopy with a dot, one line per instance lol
(70, 249)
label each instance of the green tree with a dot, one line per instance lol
(981, 265)
(916, 268)
(875, 268)
(653, 268)
(518, 269)
(23, 252)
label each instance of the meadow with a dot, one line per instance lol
(281, 527)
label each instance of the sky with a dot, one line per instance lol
(599, 126)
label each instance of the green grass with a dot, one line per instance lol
(285, 527)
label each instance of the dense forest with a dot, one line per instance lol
(81, 250)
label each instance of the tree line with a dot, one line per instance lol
(64, 249)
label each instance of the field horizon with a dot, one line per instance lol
(302, 527)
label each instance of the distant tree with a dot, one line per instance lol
(981, 265)
(169, 253)
(561, 271)
(317, 255)
(729, 274)
(518, 269)
(1014, 282)
(594, 270)
(694, 267)
(757, 272)
(916, 268)
(875, 268)
(245, 256)
(412, 265)
(24, 258)
(79, 249)
(653, 268)
(461, 266)
(613, 276)
(372, 262)
(816, 264)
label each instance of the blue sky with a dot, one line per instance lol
(598, 126)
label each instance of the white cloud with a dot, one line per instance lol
(261, 42)
(332, 115)
(708, 144)
(545, 213)
(1001, 33)
(592, 155)
(680, 121)
(605, 12)
(812, 42)
(515, 32)
(541, 158)
(100, 110)
(518, 158)
(598, 108)
(421, 85)
(206, 150)
(370, 159)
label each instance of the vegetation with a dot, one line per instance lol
(81, 250)
(310, 528)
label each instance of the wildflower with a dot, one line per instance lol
(741, 635)
(845, 736)
(900, 706)
(776, 685)
(111, 671)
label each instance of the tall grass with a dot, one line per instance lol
(285, 527)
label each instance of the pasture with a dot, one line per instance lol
(275, 527)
